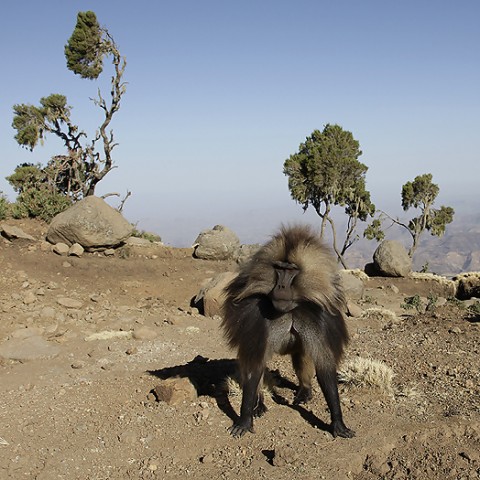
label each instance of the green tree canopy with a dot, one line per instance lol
(421, 194)
(85, 48)
(84, 164)
(326, 172)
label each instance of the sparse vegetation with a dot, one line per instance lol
(431, 303)
(412, 302)
(4, 206)
(424, 268)
(455, 301)
(151, 237)
(377, 313)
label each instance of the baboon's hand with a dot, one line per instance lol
(339, 429)
(237, 430)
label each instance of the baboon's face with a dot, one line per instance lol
(283, 294)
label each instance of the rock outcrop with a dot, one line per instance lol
(92, 223)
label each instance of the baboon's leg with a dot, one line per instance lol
(327, 378)
(305, 370)
(252, 402)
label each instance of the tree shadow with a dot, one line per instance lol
(209, 377)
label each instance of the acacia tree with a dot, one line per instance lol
(325, 172)
(86, 162)
(421, 194)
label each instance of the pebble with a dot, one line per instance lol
(60, 249)
(69, 302)
(29, 298)
(47, 313)
(144, 333)
(77, 365)
(76, 250)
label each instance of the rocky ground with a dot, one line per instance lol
(84, 342)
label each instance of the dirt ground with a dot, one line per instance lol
(75, 405)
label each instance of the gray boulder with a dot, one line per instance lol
(352, 283)
(468, 285)
(211, 297)
(391, 260)
(246, 252)
(92, 223)
(219, 243)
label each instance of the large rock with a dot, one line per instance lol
(468, 285)
(352, 283)
(220, 243)
(391, 259)
(13, 233)
(92, 223)
(212, 296)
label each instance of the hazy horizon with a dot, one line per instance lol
(220, 94)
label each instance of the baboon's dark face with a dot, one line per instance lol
(283, 295)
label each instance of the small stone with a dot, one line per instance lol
(109, 252)
(208, 458)
(69, 302)
(47, 313)
(175, 390)
(29, 298)
(60, 249)
(129, 437)
(76, 250)
(144, 333)
(394, 289)
(78, 364)
(455, 330)
(353, 309)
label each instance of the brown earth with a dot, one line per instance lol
(74, 407)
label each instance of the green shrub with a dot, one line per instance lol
(18, 210)
(412, 302)
(38, 196)
(42, 203)
(4, 206)
(152, 237)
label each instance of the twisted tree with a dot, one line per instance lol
(85, 162)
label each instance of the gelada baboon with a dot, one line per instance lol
(287, 300)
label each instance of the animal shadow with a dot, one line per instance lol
(209, 377)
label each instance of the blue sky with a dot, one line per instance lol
(220, 93)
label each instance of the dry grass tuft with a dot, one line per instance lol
(360, 274)
(366, 372)
(382, 314)
(233, 388)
